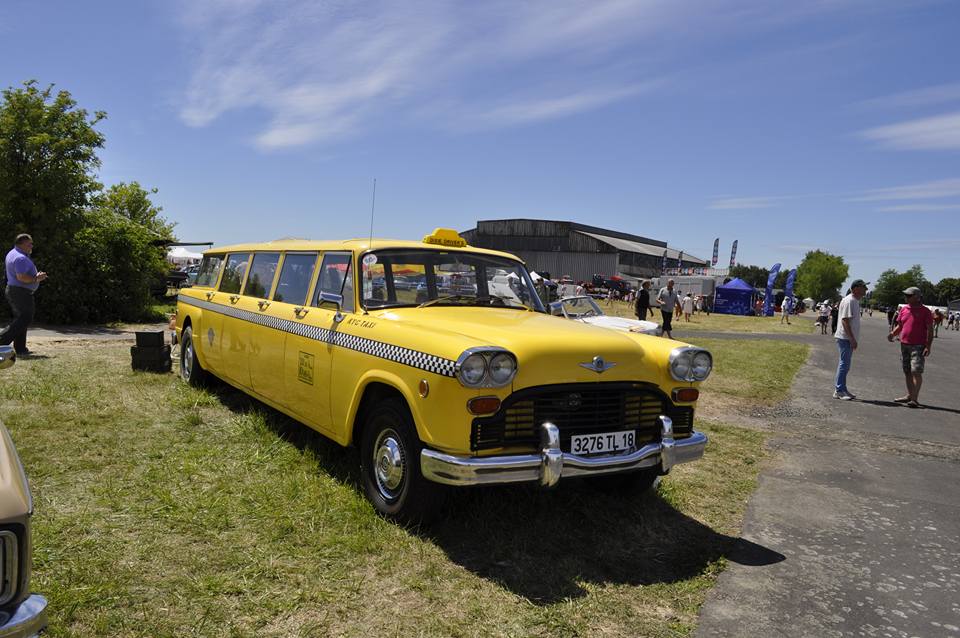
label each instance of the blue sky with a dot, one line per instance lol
(788, 126)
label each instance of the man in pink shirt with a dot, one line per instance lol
(915, 326)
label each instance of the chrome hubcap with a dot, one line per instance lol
(388, 464)
(186, 359)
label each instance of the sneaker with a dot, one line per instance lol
(902, 400)
(843, 396)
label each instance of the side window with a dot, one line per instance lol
(233, 273)
(209, 271)
(295, 278)
(261, 276)
(336, 278)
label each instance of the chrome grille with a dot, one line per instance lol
(10, 566)
(576, 409)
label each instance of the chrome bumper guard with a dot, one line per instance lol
(28, 620)
(552, 463)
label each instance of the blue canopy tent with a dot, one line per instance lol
(734, 298)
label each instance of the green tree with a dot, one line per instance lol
(888, 289)
(95, 245)
(948, 290)
(820, 275)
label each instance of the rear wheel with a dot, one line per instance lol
(190, 369)
(390, 465)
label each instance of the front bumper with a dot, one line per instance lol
(28, 620)
(551, 464)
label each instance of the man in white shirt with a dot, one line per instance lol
(668, 300)
(847, 334)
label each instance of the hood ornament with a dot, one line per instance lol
(598, 365)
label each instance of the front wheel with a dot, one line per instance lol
(390, 466)
(190, 369)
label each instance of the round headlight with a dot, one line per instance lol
(472, 369)
(681, 366)
(502, 367)
(702, 364)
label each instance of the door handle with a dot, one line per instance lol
(301, 312)
(210, 295)
(263, 305)
(234, 298)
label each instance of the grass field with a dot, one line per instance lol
(166, 511)
(718, 323)
(753, 370)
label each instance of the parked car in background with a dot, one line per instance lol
(22, 614)
(585, 309)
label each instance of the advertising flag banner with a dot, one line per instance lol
(768, 295)
(663, 266)
(733, 254)
(680, 260)
(716, 251)
(788, 291)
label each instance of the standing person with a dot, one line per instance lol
(834, 309)
(915, 328)
(22, 281)
(891, 312)
(847, 334)
(824, 317)
(668, 300)
(642, 306)
(785, 311)
(687, 305)
(937, 320)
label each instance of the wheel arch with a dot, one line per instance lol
(378, 386)
(190, 321)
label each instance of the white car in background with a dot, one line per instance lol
(585, 309)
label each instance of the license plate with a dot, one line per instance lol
(603, 442)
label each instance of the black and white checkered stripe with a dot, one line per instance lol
(405, 356)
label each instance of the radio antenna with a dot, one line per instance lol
(373, 206)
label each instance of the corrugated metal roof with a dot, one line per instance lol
(643, 249)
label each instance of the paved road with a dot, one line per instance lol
(862, 500)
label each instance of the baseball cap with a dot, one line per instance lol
(912, 290)
(859, 282)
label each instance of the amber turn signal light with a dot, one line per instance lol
(483, 405)
(686, 395)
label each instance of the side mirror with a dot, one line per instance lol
(336, 300)
(8, 356)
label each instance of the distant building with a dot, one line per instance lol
(568, 248)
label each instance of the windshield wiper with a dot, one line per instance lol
(431, 302)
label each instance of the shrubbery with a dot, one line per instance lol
(97, 245)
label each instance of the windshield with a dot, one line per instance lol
(412, 277)
(577, 307)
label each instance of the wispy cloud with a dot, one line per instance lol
(938, 133)
(320, 71)
(939, 94)
(938, 189)
(746, 203)
(919, 208)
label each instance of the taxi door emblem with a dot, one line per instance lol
(210, 336)
(305, 368)
(598, 365)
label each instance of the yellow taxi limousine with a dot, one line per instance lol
(440, 362)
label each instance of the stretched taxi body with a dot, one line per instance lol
(440, 362)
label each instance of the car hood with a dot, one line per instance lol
(621, 323)
(549, 349)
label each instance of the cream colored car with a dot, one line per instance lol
(22, 614)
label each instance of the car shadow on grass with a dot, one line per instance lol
(544, 545)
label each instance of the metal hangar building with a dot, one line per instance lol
(568, 248)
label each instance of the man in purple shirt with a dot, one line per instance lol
(22, 281)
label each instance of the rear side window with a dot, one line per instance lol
(209, 271)
(295, 278)
(262, 272)
(233, 273)
(337, 278)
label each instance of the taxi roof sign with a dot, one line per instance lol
(445, 237)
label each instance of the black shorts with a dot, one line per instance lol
(667, 318)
